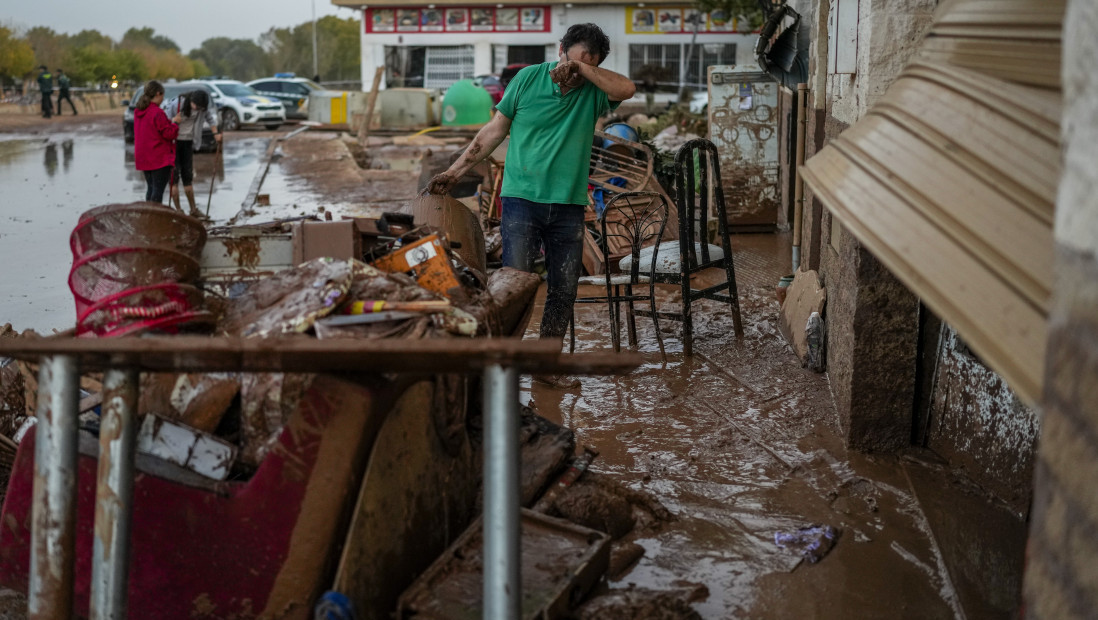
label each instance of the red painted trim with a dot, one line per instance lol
(457, 19)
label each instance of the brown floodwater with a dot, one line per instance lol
(49, 181)
(740, 443)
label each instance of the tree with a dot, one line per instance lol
(49, 47)
(16, 55)
(338, 49)
(89, 38)
(751, 11)
(240, 59)
(140, 37)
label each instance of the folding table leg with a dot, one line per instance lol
(502, 576)
(114, 496)
(53, 517)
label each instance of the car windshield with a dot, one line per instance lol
(233, 89)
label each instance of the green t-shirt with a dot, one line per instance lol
(550, 149)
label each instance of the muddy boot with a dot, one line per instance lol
(190, 202)
(174, 198)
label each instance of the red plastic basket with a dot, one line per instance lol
(106, 273)
(141, 305)
(138, 224)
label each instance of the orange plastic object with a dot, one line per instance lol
(426, 260)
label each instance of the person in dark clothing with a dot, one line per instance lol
(45, 85)
(63, 84)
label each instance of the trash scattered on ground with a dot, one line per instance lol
(644, 604)
(812, 542)
(561, 562)
(598, 502)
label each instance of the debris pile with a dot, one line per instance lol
(134, 269)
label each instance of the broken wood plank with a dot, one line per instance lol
(306, 354)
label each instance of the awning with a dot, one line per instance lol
(950, 179)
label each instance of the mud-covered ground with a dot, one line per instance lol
(739, 441)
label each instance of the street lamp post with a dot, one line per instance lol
(316, 70)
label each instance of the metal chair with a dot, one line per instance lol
(630, 221)
(697, 178)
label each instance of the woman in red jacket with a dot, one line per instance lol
(154, 140)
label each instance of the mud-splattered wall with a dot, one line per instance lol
(1061, 581)
(979, 425)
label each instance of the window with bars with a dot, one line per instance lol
(663, 64)
(445, 65)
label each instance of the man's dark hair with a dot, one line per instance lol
(43, 68)
(590, 36)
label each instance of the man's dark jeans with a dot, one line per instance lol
(527, 228)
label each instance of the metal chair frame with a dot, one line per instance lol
(644, 219)
(694, 217)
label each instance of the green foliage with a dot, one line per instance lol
(90, 38)
(16, 54)
(141, 37)
(49, 47)
(90, 57)
(338, 52)
(94, 64)
(240, 59)
(749, 11)
(89, 64)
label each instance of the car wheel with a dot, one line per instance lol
(273, 126)
(229, 120)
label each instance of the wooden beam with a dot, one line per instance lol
(306, 354)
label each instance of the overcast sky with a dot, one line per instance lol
(187, 22)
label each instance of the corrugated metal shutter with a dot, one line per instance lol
(446, 65)
(950, 179)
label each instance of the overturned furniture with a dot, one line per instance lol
(162, 548)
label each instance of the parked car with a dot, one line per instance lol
(291, 90)
(171, 90)
(240, 105)
(491, 84)
(509, 73)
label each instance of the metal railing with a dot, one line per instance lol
(53, 529)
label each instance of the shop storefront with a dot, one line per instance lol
(662, 47)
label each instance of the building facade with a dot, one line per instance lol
(434, 45)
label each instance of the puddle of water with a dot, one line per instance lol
(48, 183)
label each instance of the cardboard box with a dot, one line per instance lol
(337, 239)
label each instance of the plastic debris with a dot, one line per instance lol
(812, 542)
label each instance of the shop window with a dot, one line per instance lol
(525, 54)
(664, 64)
(656, 63)
(704, 56)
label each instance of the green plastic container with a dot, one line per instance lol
(466, 103)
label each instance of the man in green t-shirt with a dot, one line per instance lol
(549, 110)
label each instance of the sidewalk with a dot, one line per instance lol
(741, 443)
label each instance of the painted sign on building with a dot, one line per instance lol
(458, 19)
(676, 20)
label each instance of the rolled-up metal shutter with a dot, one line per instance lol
(950, 179)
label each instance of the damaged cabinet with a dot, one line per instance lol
(743, 124)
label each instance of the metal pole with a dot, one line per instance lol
(316, 70)
(798, 191)
(53, 516)
(502, 577)
(114, 496)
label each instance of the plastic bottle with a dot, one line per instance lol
(333, 606)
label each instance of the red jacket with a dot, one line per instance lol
(153, 138)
